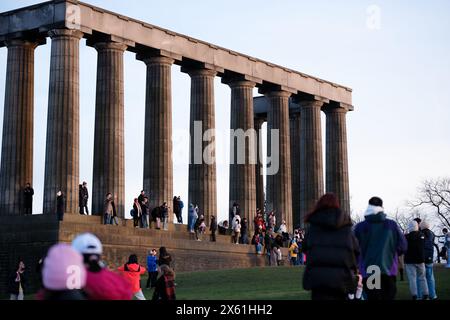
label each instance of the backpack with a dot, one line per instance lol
(132, 212)
(296, 250)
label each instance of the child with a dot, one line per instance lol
(132, 271)
(152, 268)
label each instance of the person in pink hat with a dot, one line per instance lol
(63, 274)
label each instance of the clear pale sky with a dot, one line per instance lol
(397, 66)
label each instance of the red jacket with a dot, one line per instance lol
(132, 272)
(107, 285)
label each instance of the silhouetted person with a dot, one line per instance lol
(83, 198)
(28, 193)
(60, 205)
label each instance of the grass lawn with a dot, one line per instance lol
(273, 283)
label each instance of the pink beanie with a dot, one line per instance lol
(63, 269)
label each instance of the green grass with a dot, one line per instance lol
(271, 283)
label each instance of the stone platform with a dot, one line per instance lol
(29, 237)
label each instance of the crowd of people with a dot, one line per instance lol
(363, 261)
(77, 272)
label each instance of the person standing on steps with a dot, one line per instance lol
(137, 213)
(28, 193)
(83, 198)
(213, 228)
(60, 205)
(108, 209)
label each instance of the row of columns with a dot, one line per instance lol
(289, 189)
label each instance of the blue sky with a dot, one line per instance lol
(399, 73)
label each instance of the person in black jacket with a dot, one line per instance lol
(331, 250)
(28, 193)
(83, 196)
(60, 205)
(415, 261)
(213, 228)
(17, 282)
(429, 246)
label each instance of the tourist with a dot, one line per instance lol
(234, 221)
(415, 261)
(429, 258)
(273, 255)
(257, 241)
(28, 193)
(101, 283)
(176, 207)
(145, 208)
(271, 220)
(141, 197)
(381, 242)
(83, 195)
(447, 246)
(137, 210)
(213, 228)
(284, 232)
(180, 210)
(62, 258)
(279, 256)
(60, 205)
(192, 218)
(108, 209)
(164, 211)
(235, 210)
(268, 243)
(236, 230)
(132, 271)
(114, 218)
(152, 268)
(244, 231)
(156, 217)
(165, 285)
(293, 252)
(17, 282)
(164, 257)
(223, 227)
(331, 267)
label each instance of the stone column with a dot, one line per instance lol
(109, 160)
(62, 152)
(202, 170)
(295, 168)
(336, 156)
(158, 166)
(259, 178)
(17, 144)
(279, 192)
(243, 150)
(311, 165)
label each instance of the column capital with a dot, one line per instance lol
(109, 45)
(71, 33)
(337, 108)
(311, 104)
(23, 43)
(241, 83)
(278, 93)
(199, 72)
(157, 60)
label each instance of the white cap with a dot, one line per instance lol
(87, 243)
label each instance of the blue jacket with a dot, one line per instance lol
(152, 263)
(381, 242)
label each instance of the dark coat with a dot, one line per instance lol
(213, 225)
(83, 196)
(416, 248)
(13, 286)
(60, 204)
(176, 205)
(332, 252)
(428, 245)
(28, 197)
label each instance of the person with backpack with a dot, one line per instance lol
(137, 213)
(165, 285)
(293, 252)
(101, 283)
(132, 272)
(429, 259)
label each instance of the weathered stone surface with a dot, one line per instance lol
(311, 162)
(109, 158)
(62, 153)
(279, 192)
(336, 156)
(17, 144)
(202, 174)
(243, 154)
(158, 166)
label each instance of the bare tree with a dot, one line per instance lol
(434, 195)
(403, 218)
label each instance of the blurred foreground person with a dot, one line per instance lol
(101, 283)
(63, 274)
(332, 249)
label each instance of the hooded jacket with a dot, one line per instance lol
(332, 251)
(428, 245)
(107, 285)
(132, 272)
(416, 248)
(381, 242)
